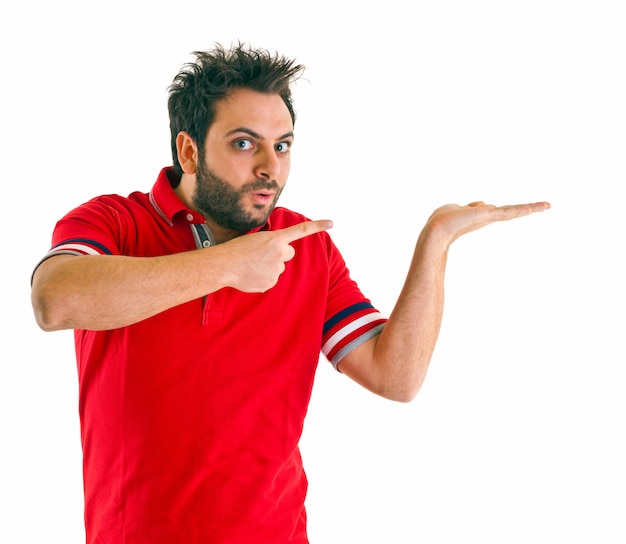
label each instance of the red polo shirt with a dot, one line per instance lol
(190, 420)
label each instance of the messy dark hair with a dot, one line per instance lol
(214, 74)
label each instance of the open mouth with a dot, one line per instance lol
(262, 197)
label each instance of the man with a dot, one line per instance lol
(200, 310)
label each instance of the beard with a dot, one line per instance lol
(217, 200)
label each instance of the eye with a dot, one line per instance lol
(243, 144)
(283, 147)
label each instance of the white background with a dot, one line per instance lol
(518, 434)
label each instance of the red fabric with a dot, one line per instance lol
(190, 420)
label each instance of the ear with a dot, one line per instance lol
(187, 152)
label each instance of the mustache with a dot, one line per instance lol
(260, 184)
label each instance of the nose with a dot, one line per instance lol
(268, 165)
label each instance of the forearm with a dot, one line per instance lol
(394, 365)
(101, 292)
(406, 345)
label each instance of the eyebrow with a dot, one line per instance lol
(256, 135)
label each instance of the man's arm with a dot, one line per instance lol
(100, 292)
(394, 364)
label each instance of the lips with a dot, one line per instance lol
(263, 192)
(263, 197)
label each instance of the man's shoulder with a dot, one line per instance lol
(118, 201)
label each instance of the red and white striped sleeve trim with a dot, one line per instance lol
(350, 328)
(74, 247)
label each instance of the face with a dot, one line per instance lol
(245, 162)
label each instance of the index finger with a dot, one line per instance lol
(306, 228)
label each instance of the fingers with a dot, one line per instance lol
(519, 210)
(539, 206)
(535, 206)
(509, 211)
(305, 228)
